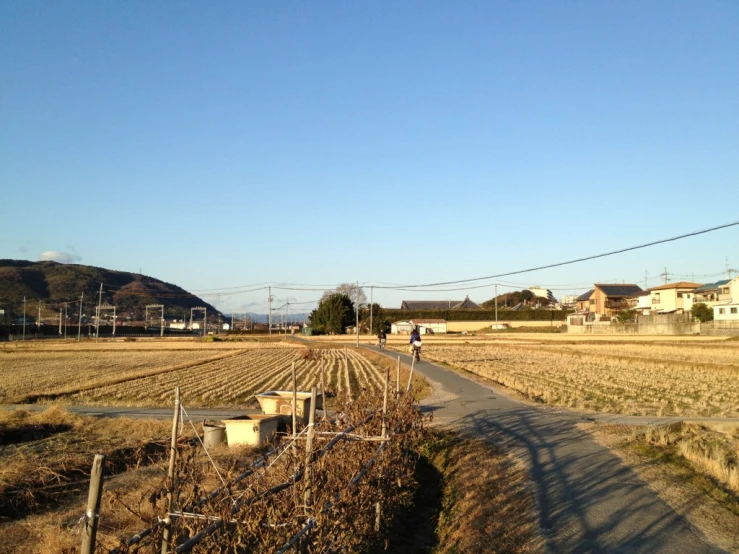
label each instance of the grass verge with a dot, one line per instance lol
(471, 498)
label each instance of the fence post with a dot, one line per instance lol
(397, 385)
(308, 497)
(166, 534)
(378, 506)
(92, 515)
(410, 376)
(323, 386)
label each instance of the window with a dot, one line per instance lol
(725, 290)
(592, 301)
(733, 310)
(721, 311)
(679, 294)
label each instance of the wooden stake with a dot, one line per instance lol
(295, 404)
(384, 404)
(323, 386)
(89, 531)
(166, 534)
(308, 497)
(410, 376)
(397, 385)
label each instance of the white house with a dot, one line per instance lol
(728, 310)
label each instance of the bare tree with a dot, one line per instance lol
(354, 292)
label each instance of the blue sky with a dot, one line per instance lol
(236, 143)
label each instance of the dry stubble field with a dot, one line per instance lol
(683, 376)
(220, 374)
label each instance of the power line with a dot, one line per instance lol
(577, 260)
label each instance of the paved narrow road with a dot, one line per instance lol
(589, 500)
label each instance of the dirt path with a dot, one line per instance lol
(589, 500)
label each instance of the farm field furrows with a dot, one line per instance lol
(639, 380)
(37, 373)
(234, 380)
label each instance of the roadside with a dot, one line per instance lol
(702, 499)
(588, 499)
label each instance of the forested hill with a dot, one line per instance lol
(54, 284)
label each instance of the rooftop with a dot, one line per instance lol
(678, 285)
(619, 290)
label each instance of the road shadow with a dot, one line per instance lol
(588, 499)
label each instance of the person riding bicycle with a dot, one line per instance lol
(381, 338)
(415, 339)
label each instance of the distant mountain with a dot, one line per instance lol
(54, 284)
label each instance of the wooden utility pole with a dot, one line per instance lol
(24, 318)
(92, 515)
(167, 533)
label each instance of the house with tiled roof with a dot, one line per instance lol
(673, 297)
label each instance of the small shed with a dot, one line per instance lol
(401, 328)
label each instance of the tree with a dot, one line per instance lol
(702, 312)
(356, 294)
(334, 313)
(626, 315)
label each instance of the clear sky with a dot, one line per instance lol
(218, 145)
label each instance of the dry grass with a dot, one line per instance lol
(487, 505)
(683, 378)
(47, 520)
(219, 374)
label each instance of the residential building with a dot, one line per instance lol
(673, 297)
(711, 293)
(465, 304)
(609, 299)
(543, 293)
(583, 301)
(728, 308)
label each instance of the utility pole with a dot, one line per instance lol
(60, 322)
(97, 315)
(24, 318)
(287, 315)
(646, 279)
(496, 302)
(372, 291)
(66, 319)
(356, 309)
(269, 299)
(79, 325)
(666, 276)
(38, 325)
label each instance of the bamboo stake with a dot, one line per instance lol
(166, 534)
(92, 515)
